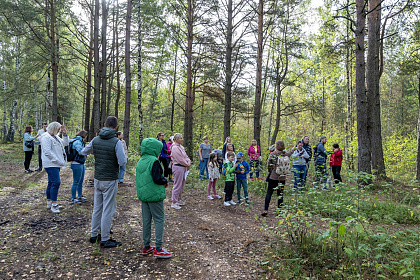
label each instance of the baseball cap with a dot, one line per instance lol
(239, 154)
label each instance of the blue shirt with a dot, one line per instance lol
(242, 166)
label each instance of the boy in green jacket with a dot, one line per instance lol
(230, 178)
(150, 185)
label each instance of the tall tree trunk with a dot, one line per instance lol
(372, 85)
(111, 79)
(364, 159)
(418, 135)
(189, 97)
(11, 134)
(103, 63)
(4, 126)
(155, 91)
(257, 106)
(96, 116)
(117, 99)
(139, 75)
(127, 75)
(228, 72)
(89, 82)
(54, 61)
(278, 113)
(173, 92)
(348, 129)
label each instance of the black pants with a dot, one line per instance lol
(229, 187)
(165, 167)
(336, 172)
(39, 157)
(272, 184)
(168, 161)
(28, 157)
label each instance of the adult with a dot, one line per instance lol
(180, 164)
(120, 136)
(204, 153)
(254, 153)
(299, 157)
(275, 181)
(320, 157)
(163, 154)
(229, 148)
(109, 156)
(168, 158)
(227, 141)
(28, 147)
(53, 158)
(308, 149)
(78, 167)
(336, 162)
(40, 132)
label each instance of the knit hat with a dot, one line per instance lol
(239, 155)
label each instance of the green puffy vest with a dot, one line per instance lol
(106, 162)
(147, 190)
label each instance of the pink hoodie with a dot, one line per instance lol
(179, 156)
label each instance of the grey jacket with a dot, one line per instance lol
(300, 159)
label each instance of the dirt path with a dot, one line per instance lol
(208, 240)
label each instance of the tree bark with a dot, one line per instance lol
(117, 99)
(257, 106)
(364, 156)
(173, 92)
(139, 75)
(349, 125)
(103, 63)
(228, 72)
(89, 82)
(372, 86)
(418, 136)
(95, 124)
(11, 133)
(127, 75)
(189, 97)
(54, 61)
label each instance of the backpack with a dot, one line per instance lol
(283, 165)
(29, 144)
(70, 152)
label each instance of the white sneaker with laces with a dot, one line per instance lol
(217, 196)
(226, 203)
(232, 202)
(55, 208)
(175, 206)
(210, 197)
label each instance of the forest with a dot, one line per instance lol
(247, 69)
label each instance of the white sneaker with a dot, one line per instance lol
(55, 208)
(226, 203)
(181, 203)
(232, 202)
(210, 197)
(175, 206)
(49, 204)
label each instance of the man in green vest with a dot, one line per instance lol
(151, 185)
(109, 156)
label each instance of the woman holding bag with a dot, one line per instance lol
(28, 147)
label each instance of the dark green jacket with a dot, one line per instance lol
(106, 162)
(147, 190)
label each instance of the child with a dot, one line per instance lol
(150, 185)
(230, 167)
(120, 136)
(241, 170)
(214, 174)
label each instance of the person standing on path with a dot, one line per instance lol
(254, 153)
(242, 170)
(28, 147)
(163, 154)
(109, 156)
(78, 167)
(299, 157)
(230, 167)
(308, 149)
(204, 152)
(180, 165)
(53, 158)
(121, 172)
(214, 175)
(150, 185)
(40, 132)
(336, 162)
(320, 157)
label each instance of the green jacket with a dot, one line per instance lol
(230, 171)
(147, 190)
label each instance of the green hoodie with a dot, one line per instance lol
(147, 190)
(230, 171)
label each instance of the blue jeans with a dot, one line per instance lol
(54, 182)
(305, 175)
(78, 177)
(299, 171)
(244, 184)
(121, 173)
(203, 166)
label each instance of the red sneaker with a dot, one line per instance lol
(148, 251)
(162, 254)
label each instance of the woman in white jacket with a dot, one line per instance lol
(53, 158)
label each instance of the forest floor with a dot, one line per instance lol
(208, 240)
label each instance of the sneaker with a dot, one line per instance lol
(181, 203)
(226, 203)
(145, 251)
(82, 199)
(210, 197)
(75, 201)
(110, 243)
(162, 254)
(264, 213)
(238, 202)
(175, 206)
(55, 208)
(49, 204)
(38, 169)
(28, 171)
(217, 196)
(95, 239)
(232, 202)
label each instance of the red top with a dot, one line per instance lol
(336, 158)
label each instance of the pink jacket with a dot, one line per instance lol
(179, 156)
(252, 154)
(168, 148)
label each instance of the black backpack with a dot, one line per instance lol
(70, 152)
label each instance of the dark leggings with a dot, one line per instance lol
(336, 172)
(165, 166)
(272, 184)
(28, 157)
